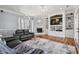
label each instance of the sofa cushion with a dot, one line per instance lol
(7, 39)
(26, 31)
(19, 32)
(13, 43)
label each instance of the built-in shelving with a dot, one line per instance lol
(69, 21)
(56, 23)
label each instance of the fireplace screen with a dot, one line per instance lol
(39, 30)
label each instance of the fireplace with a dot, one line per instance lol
(39, 30)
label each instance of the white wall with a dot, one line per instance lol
(8, 23)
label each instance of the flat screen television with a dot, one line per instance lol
(56, 20)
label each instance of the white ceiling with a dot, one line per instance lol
(33, 10)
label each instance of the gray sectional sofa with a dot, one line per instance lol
(14, 43)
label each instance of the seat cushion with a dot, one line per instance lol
(26, 31)
(25, 36)
(4, 49)
(13, 43)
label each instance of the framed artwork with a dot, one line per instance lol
(56, 20)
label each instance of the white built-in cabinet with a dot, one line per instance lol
(56, 22)
(69, 24)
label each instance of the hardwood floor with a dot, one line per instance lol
(69, 41)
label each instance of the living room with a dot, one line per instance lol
(43, 24)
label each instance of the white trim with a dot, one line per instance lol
(13, 12)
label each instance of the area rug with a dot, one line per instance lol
(50, 47)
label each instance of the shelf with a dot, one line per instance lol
(55, 25)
